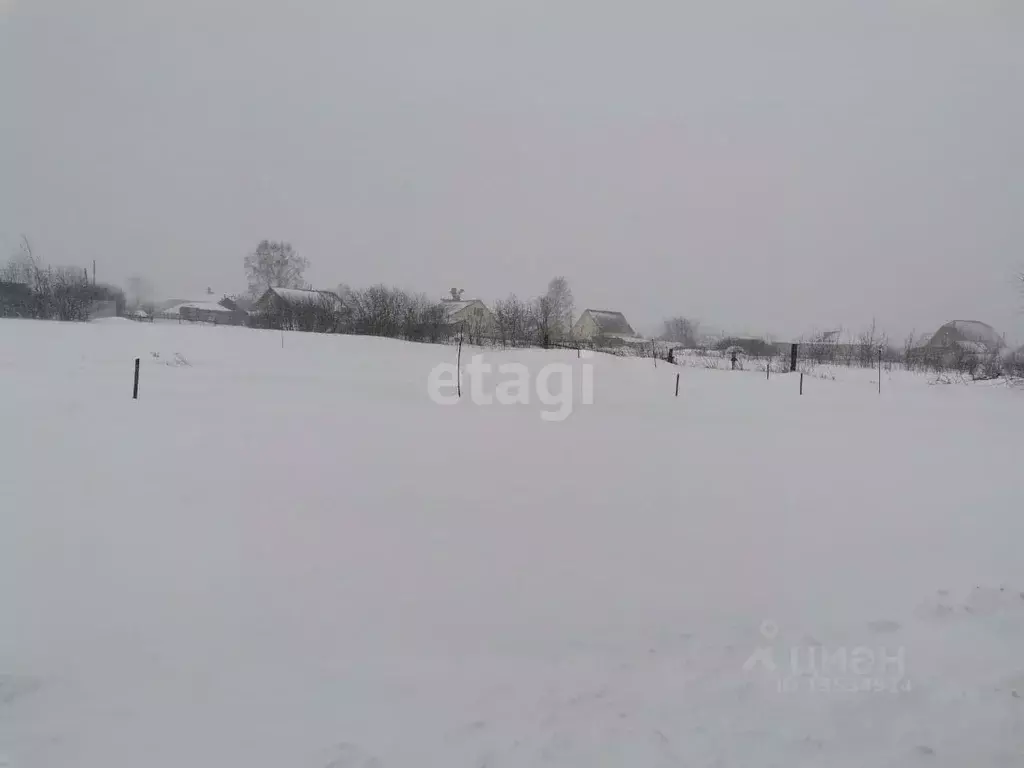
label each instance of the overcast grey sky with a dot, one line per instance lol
(775, 166)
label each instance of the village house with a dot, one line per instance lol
(299, 310)
(604, 324)
(470, 315)
(207, 306)
(207, 312)
(294, 298)
(960, 343)
(968, 335)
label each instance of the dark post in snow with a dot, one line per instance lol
(458, 363)
(879, 370)
(768, 369)
(677, 385)
(792, 357)
(135, 390)
(801, 383)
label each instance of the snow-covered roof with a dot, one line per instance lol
(302, 296)
(206, 306)
(969, 331)
(244, 303)
(612, 323)
(976, 330)
(454, 307)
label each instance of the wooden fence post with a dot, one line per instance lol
(677, 385)
(792, 358)
(458, 364)
(135, 390)
(801, 383)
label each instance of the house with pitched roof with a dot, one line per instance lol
(602, 323)
(471, 315)
(971, 336)
(960, 344)
(295, 298)
(299, 309)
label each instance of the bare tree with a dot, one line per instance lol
(512, 320)
(819, 348)
(542, 320)
(23, 267)
(423, 319)
(477, 325)
(383, 311)
(345, 293)
(319, 312)
(559, 297)
(53, 293)
(70, 296)
(274, 265)
(681, 331)
(434, 322)
(378, 311)
(907, 353)
(867, 347)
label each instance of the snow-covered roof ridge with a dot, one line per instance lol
(305, 295)
(972, 326)
(454, 306)
(970, 331)
(208, 306)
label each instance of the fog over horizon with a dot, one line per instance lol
(767, 168)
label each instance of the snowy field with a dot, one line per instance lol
(289, 556)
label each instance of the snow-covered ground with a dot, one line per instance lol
(290, 556)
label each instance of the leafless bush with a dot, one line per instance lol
(512, 321)
(681, 330)
(542, 320)
(559, 299)
(989, 367)
(383, 311)
(318, 314)
(51, 293)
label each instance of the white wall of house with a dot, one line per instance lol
(475, 313)
(585, 327)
